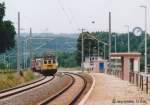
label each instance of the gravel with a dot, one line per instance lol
(34, 96)
(69, 95)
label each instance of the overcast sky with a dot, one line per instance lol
(67, 16)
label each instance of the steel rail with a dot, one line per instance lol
(51, 98)
(20, 86)
(23, 90)
(47, 100)
(82, 90)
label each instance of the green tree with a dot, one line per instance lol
(2, 11)
(7, 32)
(88, 40)
(66, 59)
(136, 44)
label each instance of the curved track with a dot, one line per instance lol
(73, 84)
(20, 89)
(83, 88)
(26, 84)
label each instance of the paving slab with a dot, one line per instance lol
(110, 90)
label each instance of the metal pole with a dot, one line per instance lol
(109, 39)
(82, 51)
(82, 30)
(55, 48)
(30, 48)
(89, 49)
(145, 7)
(145, 39)
(18, 43)
(4, 59)
(9, 63)
(26, 53)
(98, 48)
(104, 50)
(115, 44)
(128, 40)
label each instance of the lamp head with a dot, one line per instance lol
(126, 25)
(143, 6)
(93, 22)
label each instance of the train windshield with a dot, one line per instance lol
(45, 62)
(54, 61)
(49, 61)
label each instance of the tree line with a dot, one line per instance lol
(7, 31)
(136, 44)
(72, 59)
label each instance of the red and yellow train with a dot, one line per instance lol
(47, 65)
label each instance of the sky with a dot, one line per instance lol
(68, 16)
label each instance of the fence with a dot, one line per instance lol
(140, 79)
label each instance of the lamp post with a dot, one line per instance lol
(82, 47)
(30, 39)
(98, 48)
(104, 51)
(99, 41)
(18, 42)
(115, 43)
(93, 22)
(97, 44)
(89, 50)
(128, 38)
(145, 7)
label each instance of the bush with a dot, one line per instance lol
(28, 75)
(9, 80)
(2, 66)
(10, 76)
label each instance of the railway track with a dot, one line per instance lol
(62, 89)
(75, 88)
(23, 88)
(22, 85)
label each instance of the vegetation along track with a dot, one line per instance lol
(22, 88)
(75, 88)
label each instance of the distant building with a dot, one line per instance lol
(95, 64)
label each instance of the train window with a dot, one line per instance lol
(49, 61)
(45, 62)
(54, 61)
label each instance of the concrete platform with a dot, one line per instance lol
(110, 90)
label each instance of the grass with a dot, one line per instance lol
(11, 79)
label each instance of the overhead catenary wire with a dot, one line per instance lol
(68, 14)
(71, 13)
(64, 11)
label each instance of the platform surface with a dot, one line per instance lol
(110, 90)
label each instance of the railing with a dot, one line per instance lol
(117, 73)
(131, 77)
(141, 80)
